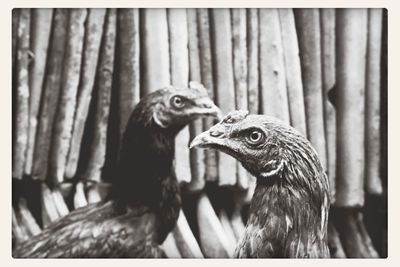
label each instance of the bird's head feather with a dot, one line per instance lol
(176, 106)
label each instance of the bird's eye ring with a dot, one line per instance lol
(255, 137)
(177, 102)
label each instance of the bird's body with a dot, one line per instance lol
(144, 202)
(289, 210)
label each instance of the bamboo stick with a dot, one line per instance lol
(27, 219)
(292, 70)
(59, 202)
(351, 45)
(155, 50)
(351, 236)
(365, 236)
(51, 90)
(18, 232)
(372, 119)
(14, 34)
(92, 194)
(225, 95)
(197, 157)
(129, 74)
(252, 60)
(22, 95)
(179, 60)
(239, 36)
(335, 245)
(309, 33)
(226, 225)
(213, 240)
(211, 165)
(328, 82)
(104, 77)
(170, 248)
(185, 240)
(40, 34)
(93, 33)
(274, 101)
(49, 210)
(79, 196)
(66, 108)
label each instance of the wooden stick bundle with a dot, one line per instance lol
(239, 36)
(372, 119)
(207, 80)
(292, 70)
(274, 101)
(51, 90)
(179, 60)
(104, 85)
(93, 33)
(22, 95)
(252, 60)
(328, 61)
(66, 108)
(225, 95)
(309, 33)
(154, 50)
(351, 53)
(40, 34)
(197, 163)
(129, 71)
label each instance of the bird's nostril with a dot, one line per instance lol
(206, 105)
(216, 133)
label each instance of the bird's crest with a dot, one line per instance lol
(235, 116)
(197, 88)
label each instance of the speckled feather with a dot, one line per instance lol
(96, 231)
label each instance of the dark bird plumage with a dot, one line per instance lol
(289, 209)
(145, 201)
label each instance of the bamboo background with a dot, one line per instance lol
(78, 73)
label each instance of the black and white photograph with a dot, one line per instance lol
(199, 133)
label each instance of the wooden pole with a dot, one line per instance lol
(213, 240)
(292, 70)
(274, 100)
(328, 61)
(373, 96)
(197, 160)
(51, 91)
(252, 60)
(351, 52)
(207, 79)
(309, 33)
(93, 33)
(239, 36)
(179, 60)
(104, 85)
(40, 34)
(22, 97)
(225, 94)
(154, 50)
(66, 108)
(129, 74)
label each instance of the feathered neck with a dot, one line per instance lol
(145, 161)
(292, 206)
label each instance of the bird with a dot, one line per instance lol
(144, 201)
(288, 213)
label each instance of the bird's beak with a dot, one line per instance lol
(207, 107)
(211, 138)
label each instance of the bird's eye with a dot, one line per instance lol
(177, 102)
(255, 137)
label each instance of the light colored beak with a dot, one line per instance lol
(208, 108)
(211, 137)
